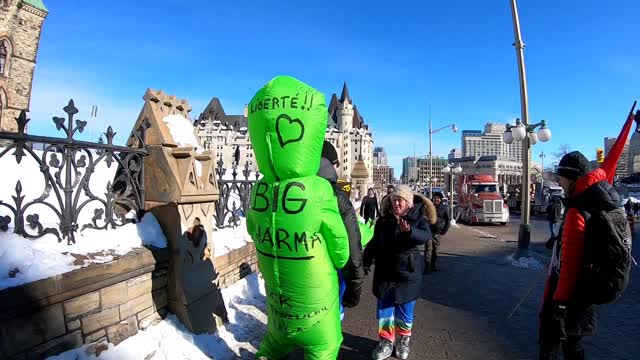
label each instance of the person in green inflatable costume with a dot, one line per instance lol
(294, 222)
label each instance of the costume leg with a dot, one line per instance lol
(322, 341)
(274, 348)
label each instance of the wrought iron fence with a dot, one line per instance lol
(235, 194)
(67, 165)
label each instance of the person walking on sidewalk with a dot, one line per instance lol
(397, 280)
(443, 222)
(369, 207)
(554, 214)
(350, 278)
(577, 280)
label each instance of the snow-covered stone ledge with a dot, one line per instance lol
(102, 302)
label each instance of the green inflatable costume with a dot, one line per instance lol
(294, 221)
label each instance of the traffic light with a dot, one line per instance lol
(600, 155)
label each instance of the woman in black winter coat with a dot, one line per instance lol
(397, 280)
(369, 208)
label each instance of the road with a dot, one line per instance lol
(509, 233)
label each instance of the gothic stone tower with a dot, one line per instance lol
(20, 28)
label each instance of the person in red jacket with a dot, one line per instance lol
(564, 319)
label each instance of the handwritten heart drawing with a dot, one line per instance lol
(286, 128)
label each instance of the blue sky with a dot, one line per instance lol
(582, 60)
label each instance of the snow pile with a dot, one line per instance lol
(46, 257)
(181, 130)
(169, 339)
(633, 200)
(183, 133)
(228, 239)
(454, 223)
(525, 263)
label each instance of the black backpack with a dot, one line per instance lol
(607, 256)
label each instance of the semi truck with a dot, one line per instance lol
(480, 200)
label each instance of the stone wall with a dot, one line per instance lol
(96, 304)
(21, 25)
(235, 265)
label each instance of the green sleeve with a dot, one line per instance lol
(334, 232)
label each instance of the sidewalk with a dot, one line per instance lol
(463, 309)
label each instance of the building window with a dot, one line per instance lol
(4, 57)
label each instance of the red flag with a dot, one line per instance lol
(611, 161)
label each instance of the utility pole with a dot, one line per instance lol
(430, 156)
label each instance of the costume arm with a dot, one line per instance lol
(334, 232)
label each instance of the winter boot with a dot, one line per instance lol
(383, 350)
(402, 349)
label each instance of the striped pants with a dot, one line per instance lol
(394, 319)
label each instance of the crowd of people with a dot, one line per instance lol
(407, 233)
(409, 229)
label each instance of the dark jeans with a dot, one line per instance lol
(572, 350)
(431, 252)
(551, 225)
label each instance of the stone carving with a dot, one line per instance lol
(180, 188)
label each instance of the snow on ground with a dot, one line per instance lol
(169, 339)
(228, 239)
(526, 263)
(45, 257)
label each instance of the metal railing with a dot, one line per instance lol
(235, 194)
(67, 165)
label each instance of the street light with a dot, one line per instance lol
(454, 128)
(449, 169)
(526, 134)
(519, 132)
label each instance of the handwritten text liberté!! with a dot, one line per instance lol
(282, 102)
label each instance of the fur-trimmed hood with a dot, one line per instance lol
(428, 209)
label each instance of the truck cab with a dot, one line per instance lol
(480, 200)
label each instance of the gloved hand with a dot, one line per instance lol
(558, 314)
(351, 297)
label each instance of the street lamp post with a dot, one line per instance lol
(449, 169)
(523, 133)
(542, 156)
(431, 132)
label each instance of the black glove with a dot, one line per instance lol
(351, 297)
(550, 242)
(557, 321)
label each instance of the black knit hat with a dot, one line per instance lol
(573, 166)
(330, 153)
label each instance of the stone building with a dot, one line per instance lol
(626, 162)
(382, 172)
(226, 135)
(351, 137)
(506, 171)
(20, 28)
(489, 143)
(455, 153)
